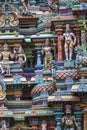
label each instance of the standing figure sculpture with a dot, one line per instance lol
(44, 125)
(48, 57)
(70, 41)
(68, 120)
(3, 125)
(19, 54)
(5, 55)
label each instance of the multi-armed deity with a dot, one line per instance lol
(70, 41)
(69, 120)
(48, 57)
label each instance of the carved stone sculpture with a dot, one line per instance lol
(3, 125)
(44, 125)
(5, 55)
(2, 93)
(46, 51)
(69, 120)
(70, 41)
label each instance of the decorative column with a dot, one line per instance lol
(58, 116)
(85, 121)
(60, 56)
(78, 114)
(78, 35)
(83, 36)
(85, 117)
(39, 64)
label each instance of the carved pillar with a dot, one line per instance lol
(83, 38)
(85, 117)
(85, 121)
(58, 116)
(60, 45)
(78, 36)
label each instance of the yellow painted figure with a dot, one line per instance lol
(2, 93)
(46, 51)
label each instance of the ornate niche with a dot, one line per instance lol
(8, 22)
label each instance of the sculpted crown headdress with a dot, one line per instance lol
(5, 45)
(68, 108)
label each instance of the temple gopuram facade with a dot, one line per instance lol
(43, 64)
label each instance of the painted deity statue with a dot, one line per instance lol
(46, 51)
(19, 54)
(68, 120)
(44, 125)
(5, 55)
(70, 41)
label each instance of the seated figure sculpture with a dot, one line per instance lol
(70, 41)
(46, 51)
(68, 120)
